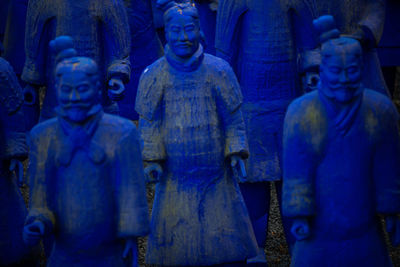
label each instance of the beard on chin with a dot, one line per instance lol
(76, 114)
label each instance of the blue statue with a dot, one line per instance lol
(146, 48)
(86, 173)
(101, 31)
(13, 150)
(194, 146)
(362, 19)
(341, 154)
(255, 37)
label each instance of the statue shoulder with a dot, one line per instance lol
(44, 131)
(305, 110)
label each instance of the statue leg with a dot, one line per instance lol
(257, 197)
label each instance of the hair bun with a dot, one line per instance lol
(63, 48)
(326, 28)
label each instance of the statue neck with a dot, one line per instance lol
(185, 64)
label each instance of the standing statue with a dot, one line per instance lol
(255, 37)
(101, 31)
(146, 48)
(13, 150)
(194, 145)
(86, 173)
(362, 19)
(341, 154)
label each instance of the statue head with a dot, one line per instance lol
(182, 29)
(341, 69)
(77, 81)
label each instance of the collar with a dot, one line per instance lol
(79, 136)
(341, 114)
(186, 65)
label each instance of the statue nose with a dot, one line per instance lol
(74, 96)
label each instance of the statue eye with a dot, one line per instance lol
(174, 29)
(334, 70)
(82, 88)
(352, 70)
(66, 88)
(189, 28)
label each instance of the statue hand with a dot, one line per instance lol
(31, 96)
(153, 172)
(33, 232)
(310, 82)
(17, 167)
(300, 229)
(393, 229)
(131, 247)
(238, 163)
(116, 90)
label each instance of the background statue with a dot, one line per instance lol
(255, 37)
(101, 31)
(341, 166)
(86, 173)
(146, 48)
(13, 150)
(362, 19)
(194, 141)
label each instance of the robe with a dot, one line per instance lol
(87, 189)
(100, 31)
(190, 119)
(341, 169)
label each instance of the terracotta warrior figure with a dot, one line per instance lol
(101, 31)
(13, 150)
(86, 173)
(194, 146)
(341, 154)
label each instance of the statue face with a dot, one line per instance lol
(77, 94)
(341, 74)
(183, 35)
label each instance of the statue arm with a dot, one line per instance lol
(37, 181)
(228, 19)
(36, 42)
(229, 101)
(372, 22)
(131, 192)
(299, 164)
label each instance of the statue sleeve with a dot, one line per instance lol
(36, 42)
(373, 19)
(299, 164)
(11, 117)
(229, 101)
(37, 181)
(386, 168)
(228, 16)
(131, 191)
(117, 27)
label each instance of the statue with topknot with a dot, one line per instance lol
(194, 146)
(86, 173)
(100, 29)
(341, 154)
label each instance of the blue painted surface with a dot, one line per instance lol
(191, 125)
(86, 173)
(101, 31)
(340, 161)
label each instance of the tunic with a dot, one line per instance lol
(88, 191)
(191, 120)
(99, 29)
(265, 64)
(12, 145)
(341, 168)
